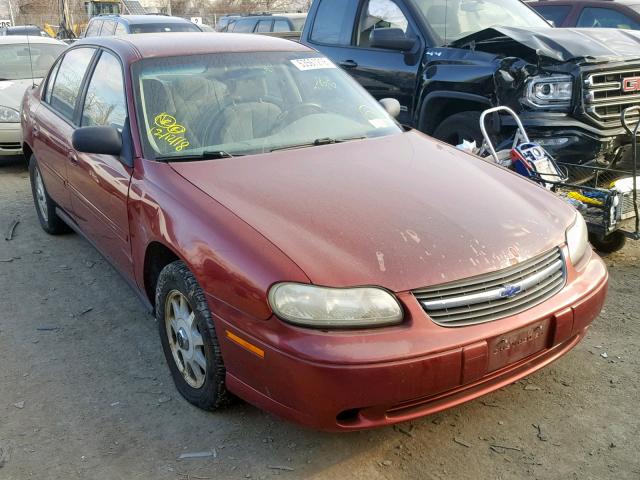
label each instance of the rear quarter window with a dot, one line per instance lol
(244, 26)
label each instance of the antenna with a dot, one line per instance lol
(33, 81)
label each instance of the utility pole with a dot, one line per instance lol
(13, 20)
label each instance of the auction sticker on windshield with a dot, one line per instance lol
(312, 63)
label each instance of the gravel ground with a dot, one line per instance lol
(85, 393)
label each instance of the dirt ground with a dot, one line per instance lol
(85, 393)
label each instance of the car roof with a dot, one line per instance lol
(144, 19)
(29, 39)
(148, 45)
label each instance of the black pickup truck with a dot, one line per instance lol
(447, 60)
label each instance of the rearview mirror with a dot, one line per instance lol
(98, 140)
(392, 106)
(391, 39)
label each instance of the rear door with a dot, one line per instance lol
(99, 184)
(54, 123)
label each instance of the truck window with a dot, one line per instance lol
(326, 29)
(281, 26)
(593, 17)
(244, 25)
(108, 28)
(554, 13)
(120, 30)
(379, 14)
(93, 29)
(264, 26)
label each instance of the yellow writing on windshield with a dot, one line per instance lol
(168, 129)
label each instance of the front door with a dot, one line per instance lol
(99, 184)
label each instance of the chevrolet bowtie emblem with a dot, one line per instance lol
(510, 291)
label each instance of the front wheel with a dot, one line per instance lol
(45, 206)
(608, 244)
(189, 339)
(460, 127)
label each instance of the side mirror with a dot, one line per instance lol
(392, 106)
(98, 140)
(391, 39)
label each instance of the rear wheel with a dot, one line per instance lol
(611, 243)
(45, 206)
(189, 339)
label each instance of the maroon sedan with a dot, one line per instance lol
(298, 248)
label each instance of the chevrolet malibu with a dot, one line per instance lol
(298, 248)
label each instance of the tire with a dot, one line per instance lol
(611, 243)
(191, 347)
(458, 127)
(45, 206)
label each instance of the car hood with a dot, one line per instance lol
(12, 91)
(402, 211)
(592, 45)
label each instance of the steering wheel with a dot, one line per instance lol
(295, 113)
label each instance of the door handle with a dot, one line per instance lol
(73, 158)
(348, 64)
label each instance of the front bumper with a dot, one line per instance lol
(340, 381)
(572, 141)
(10, 139)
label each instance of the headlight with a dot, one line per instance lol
(550, 91)
(577, 239)
(322, 307)
(9, 115)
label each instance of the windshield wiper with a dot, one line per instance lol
(317, 142)
(206, 155)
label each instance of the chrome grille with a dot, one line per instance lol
(604, 97)
(495, 295)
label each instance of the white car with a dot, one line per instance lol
(23, 63)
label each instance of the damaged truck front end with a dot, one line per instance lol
(569, 86)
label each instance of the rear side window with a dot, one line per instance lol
(594, 17)
(108, 29)
(93, 29)
(326, 29)
(66, 86)
(264, 26)
(244, 26)
(104, 104)
(281, 26)
(555, 13)
(120, 30)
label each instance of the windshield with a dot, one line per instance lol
(14, 59)
(247, 103)
(164, 27)
(455, 19)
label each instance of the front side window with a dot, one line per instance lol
(105, 104)
(326, 30)
(554, 13)
(593, 17)
(16, 59)
(380, 14)
(250, 103)
(455, 19)
(66, 87)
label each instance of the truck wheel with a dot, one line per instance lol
(459, 127)
(611, 243)
(45, 206)
(189, 338)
